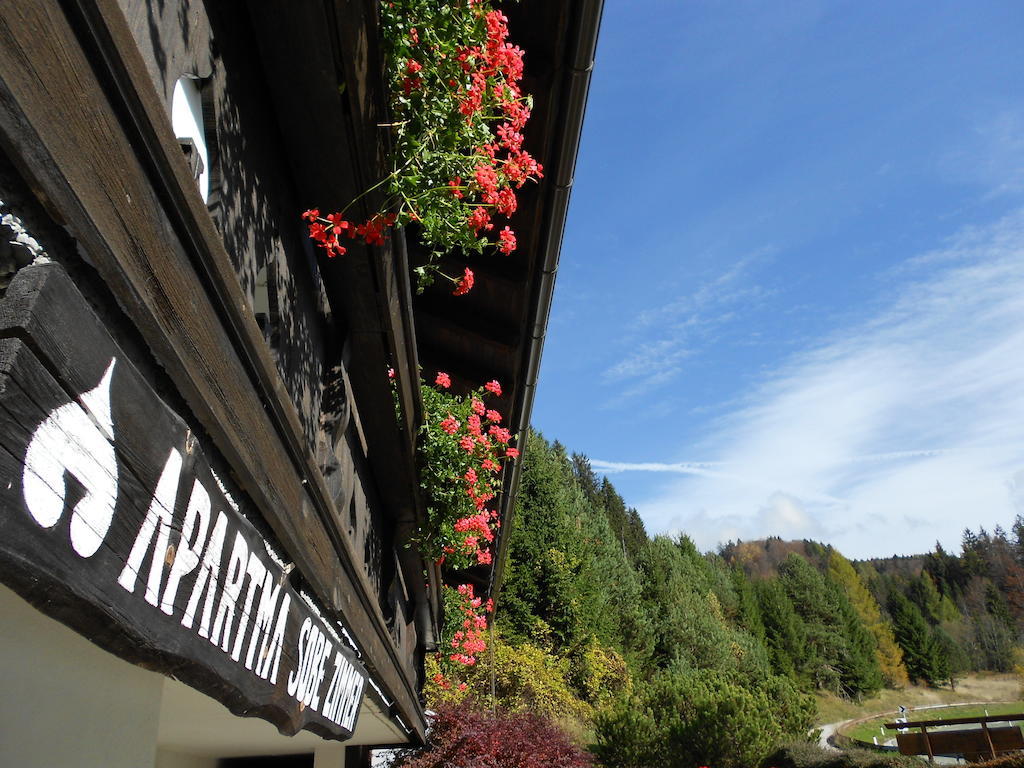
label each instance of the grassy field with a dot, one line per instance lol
(863, 731)
(980, 687)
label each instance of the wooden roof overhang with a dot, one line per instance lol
(98, 151)
(166, 265)
(337, 149)
(497, 331)
(322, 61)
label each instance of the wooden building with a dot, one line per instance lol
(206, 499)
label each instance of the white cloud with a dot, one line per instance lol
(781, 513)
(885, 436)
(700, 468)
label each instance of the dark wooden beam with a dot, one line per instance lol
(80, 116)
(329, 104)
(95, 530)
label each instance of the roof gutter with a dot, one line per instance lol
(577, 79)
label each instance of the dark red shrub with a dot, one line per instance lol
(464, 737)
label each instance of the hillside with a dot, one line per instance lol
(652, 648)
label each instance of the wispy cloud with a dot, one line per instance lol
(699, 467)
(914, 415)
(724, 289)
(648, 359)
(709, 469)
(676, 330)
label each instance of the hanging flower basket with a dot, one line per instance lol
(458, 115)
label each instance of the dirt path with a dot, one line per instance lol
(827, 732)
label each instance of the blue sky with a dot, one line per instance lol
(791, 294)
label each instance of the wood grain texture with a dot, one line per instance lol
(90, 134)
(55, 351)
(337, 151)
(973, 744)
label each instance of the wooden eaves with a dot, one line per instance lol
(497, 331)
(97, 150)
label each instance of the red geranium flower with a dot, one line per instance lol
(506, 240)
(479, 219)
(500, 434)
(465, 284)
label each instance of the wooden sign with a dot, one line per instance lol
(113, 521)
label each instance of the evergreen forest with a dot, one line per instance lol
(659, 655)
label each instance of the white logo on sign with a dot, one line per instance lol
(69, 440)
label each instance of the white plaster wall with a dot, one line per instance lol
(329, 756)
(65, 702)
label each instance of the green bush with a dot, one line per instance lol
(526, 678)
(803, 754)
(686, 718)
(600, 674)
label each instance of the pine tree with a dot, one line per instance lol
(887, 650)
(1018, 538)
(951, 659)
(926, 597)
(920, 654)
(861, 672)
(626, 523)
(690, 626)
(541, 516)
(784, 631)
(999, 555)
(947, 571)
(840, 652)
(748, 615)
(973, 552)
(586, 479)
